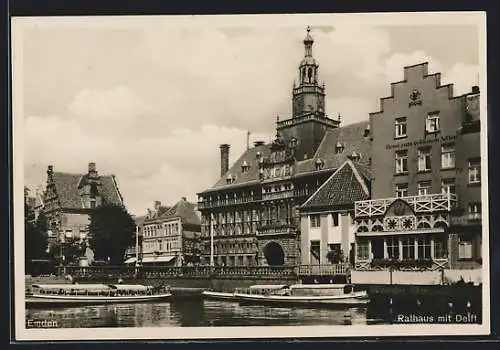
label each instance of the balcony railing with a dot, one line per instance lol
(420, 204)
(322, 270)
(275, 229)
(224, 202)
(278, 195)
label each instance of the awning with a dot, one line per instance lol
(130, 260)
(398, 233)
(158, 259)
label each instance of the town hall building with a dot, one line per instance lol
(250, 216)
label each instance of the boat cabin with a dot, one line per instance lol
(91, 289)
(265, 289)
(321, 289)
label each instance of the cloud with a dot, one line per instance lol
(167, 168)
(152, 104)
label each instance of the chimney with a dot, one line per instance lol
(475, 89)
(92, 167)
(224, 158)
(50, 170)
(157, 205)
(184, 199)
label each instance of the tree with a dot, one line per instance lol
(35, 234)
(111, 232)
(71, 248)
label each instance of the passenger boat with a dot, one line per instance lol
(303, 294)
(212, 294)
(69, 294)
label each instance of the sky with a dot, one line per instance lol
(151, 102)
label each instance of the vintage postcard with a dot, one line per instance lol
(264, 176)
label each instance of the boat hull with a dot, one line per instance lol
(346, 300)
(219, 295)
(50, 300)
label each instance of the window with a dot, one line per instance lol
(335, 219)
(401, 190)
(474, 212)
(474, 171)
(448, 186)
(93, 203)
(68, 233)
(401, 162)
(424, 159)
(465, 249)
(363, 252)
(315, 221)
(448, 156)
(408, 243)
(393, 248)
(424, 188)
(424, 247)
(440, 247)
(400, 127)
(432, 123)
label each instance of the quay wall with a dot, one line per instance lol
(437, 277)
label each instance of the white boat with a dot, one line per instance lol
(68, 294)
(303, 294)
(211, 294)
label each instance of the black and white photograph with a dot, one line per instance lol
(250, 176)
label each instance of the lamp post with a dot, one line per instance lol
(136, 249)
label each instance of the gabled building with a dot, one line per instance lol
(426, 188)
(69, 199)
(327, 229)
(171, 235)
(249, 217)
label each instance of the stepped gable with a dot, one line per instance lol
(346, 186)
(67, 187)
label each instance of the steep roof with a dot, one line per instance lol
(236, 170)
(69, 196)
(184, 210)
(351, 137)
(346, 185)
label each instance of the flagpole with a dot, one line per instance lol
(136, 246)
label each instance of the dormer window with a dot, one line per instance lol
(355, 156)
(339, 147)
(230, 179)
(367, 131)
(245, 167)
(293, 142)
(258, 155)
(320, 163)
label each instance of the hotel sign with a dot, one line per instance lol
(422, 142)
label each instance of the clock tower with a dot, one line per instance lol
(309, 95)
(308, 124)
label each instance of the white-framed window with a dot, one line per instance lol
(424, 159)
(475, 171)
(448, 156)
(424, 247)
(408, 244)
(440, 247)
(400, 127)
(401, 162)
(335, 219)
(432, 123)
(401, 190)
(315, 221)
(68, 233)
(465, 249)
(362, 249)
(392, 247)
(448, 186)
(474, 211)
(424, 188)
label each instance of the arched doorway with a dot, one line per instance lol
(274, 254)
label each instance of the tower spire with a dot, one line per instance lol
(308, 42)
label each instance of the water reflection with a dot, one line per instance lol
(196, 312)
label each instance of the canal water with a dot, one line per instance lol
(196, 312)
